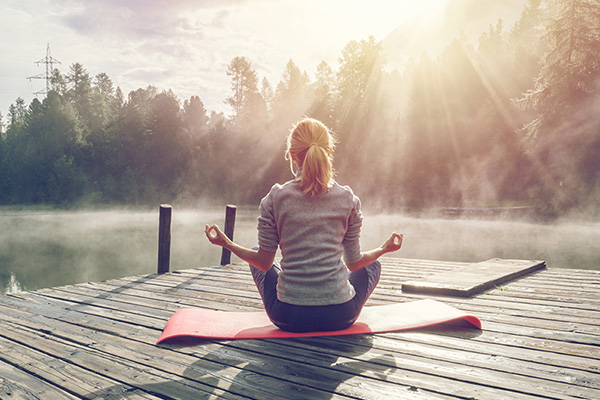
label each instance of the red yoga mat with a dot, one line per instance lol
(213, 324)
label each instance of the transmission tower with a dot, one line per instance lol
(49, 61)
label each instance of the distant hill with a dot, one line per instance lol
(433, 31)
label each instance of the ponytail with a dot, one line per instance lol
(310, 145)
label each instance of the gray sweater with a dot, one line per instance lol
(314, 234)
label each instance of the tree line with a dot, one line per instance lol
(512, 120)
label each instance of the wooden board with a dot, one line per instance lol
(474, 278)
(98, 340)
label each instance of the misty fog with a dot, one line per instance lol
(505, 117)
(46, 249)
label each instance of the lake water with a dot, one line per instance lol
(46, 249)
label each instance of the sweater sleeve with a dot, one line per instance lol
(268, 237)
(352, 251)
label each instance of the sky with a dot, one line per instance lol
(184, 45)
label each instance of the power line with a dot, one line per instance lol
(49, 61)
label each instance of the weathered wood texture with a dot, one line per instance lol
(540, 340)
(474, 278)
(164, 238)
(230, 212)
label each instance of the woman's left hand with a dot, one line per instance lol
(216, 236)
(393, 243)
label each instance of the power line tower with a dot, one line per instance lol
(49, 61)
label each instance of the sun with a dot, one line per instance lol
(315, 30)
(380, 17)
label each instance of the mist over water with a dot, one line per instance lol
(46, 249)
(561, 245)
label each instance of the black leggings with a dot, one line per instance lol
(295, 318)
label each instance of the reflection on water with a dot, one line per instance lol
(45, 249)
(13, 286)
(561, 245)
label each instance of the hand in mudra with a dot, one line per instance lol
(393, 243)
(215, 235)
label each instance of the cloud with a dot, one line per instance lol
(96, 19)
(140, 43)
(145, 19)
(183, 45)
(148, 74)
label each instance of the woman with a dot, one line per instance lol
(316, 223)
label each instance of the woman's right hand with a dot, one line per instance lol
(393, 243)
(216, 236)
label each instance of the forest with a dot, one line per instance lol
(512, 120)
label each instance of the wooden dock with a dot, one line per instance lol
(540, 340)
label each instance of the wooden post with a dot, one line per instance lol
(164, 238)
(229, 227)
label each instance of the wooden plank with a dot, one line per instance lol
(512, 310)
(549, 335)
(125, 372)
(539, 340)
(164, 238)
(63, 375)
(321, 373)
(525, 326)
(235, 289)
(474, 278)
(153, 350)
(216, 353)
(387, 283)
(481, 353)
(18, 384)
(456, 366)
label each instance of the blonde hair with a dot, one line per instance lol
(311, 144)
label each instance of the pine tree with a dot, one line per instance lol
(266, 91)
(564, 134)
(243, 84)
(570, 69)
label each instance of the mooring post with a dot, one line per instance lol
(164, 238)
(229, 227)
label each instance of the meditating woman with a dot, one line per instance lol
(324, 278)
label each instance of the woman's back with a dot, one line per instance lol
(314, 233)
